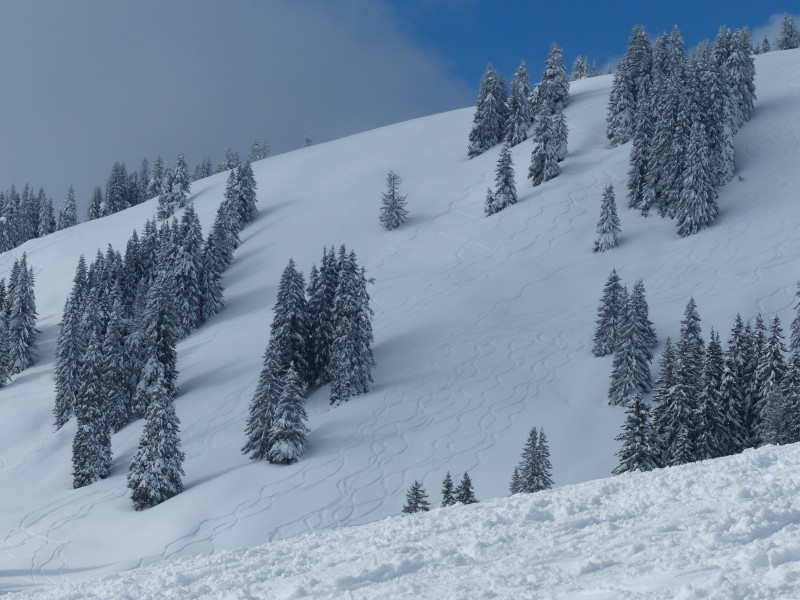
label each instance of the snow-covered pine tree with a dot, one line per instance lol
(608, 227)
(91, 447)
(115, 389)
(416, 499)
(156, 179)
(166, 207)
(684, 450)
(156, 470)
(642, 314)
(290, 324)
(180, 183)
(69, 352)
(789, 37)
(5, 362)
(711, 418)
(520, 111)
(639, 450)
(638, 61)
(609, 313)
(631, 366)
(489, 121)
(527, 470)
(47, 218)
(743, 72)
(713, 90)
(117, 192)
(255, 151)
(230, 161)
(578, 69)
(621, 108)
(697, 207)
(488, 204)
(287, 434)
(544, 471)
(464, 492)
(307, 141)
(262, 408)
(96, 204)
(351, 359)
(778, 425)
(22, 332)
(515, 487)
(560, 133)
(790, 387)
(187, 276)
(217, 252)
(544, 158)
(554, 87)
(765, 46)
(769, 374)
(246, 200)
(393, 204)
(321, 296)
(505, 193)
(448, 491)
(68, 215)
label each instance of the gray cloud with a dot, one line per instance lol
(87, 82)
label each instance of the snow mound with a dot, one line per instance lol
(728, 528)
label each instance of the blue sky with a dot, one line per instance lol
(469, 33)
(88, 82)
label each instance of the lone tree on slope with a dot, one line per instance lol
(393, 204)
(416, 499)
(608, 227)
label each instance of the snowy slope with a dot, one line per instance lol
(728, 528)
(483, 329)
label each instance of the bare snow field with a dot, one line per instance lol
(483, 329)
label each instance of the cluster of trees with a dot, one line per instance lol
(788, 39)
(463, 493)
(393, 203)
(115, 350)
(710, 403)
(18, 331)
(583, 68)
(532, 474)
(320, 333)
(681, 113)
(28, 215)
(231, 160)
(624, 329)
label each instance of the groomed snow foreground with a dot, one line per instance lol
(727, 528)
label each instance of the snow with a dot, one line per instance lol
(728, 528)
(483, 330)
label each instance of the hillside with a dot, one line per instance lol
(483, 329)
(727, 528)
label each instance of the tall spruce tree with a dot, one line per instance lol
(289, 430)
(662, 401)
(642, 315)
(770, 371)
(621, 108)
(544, 158)
(68, 215)
(262, 408)
(643, 126)
(608, 227)
(464, 492)
(114, 382)
(351, 359)
(448, 491)
(321, 296)
(554, 87)
(416, 499)
(631, 366)
(489, 121)
(639, 450)
(22, 332)
(505, 193)
(697, 207)
(91, 447)
(520, 111)
(69, 353)
(609, 314)
(711, 416)
(393, 204)
(290, 324)
(187, 276)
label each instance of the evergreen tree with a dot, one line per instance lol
(505, 192)
(156, 180)
(642, 315)
(69, 352)
(789, 37)
(608, 227)
(96, 205)
(528, 469)
(489, 121)
(240, 197)
(560, 132)
(515, 487)
(321, 296)
(520, 111)
(769, 375)
(187, 278)
(544, 479)
(288, 431)
(448, 491)
(697, 207)
(47, 219)
(639, 451)
(416, 499)
(114, 368)
(393, 204)
(631, 366)
(91, 447)
(117, 192)
(263, 407)
(230, 162)
(609, 314)
(22, 332)
(765, 46)
(156, 470)
(307, 141)
(216, 254)
(68, 215)
(351, 358)
(794, 332)
(5, 359)
(578, 69)
(711, 416)
(790, 388)
(464, 493)
(290, 324)
(554, 87)
(662, 401)
(780, 419)
(684, 451)
(544, 158)
(621, 107)
(638, 62)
